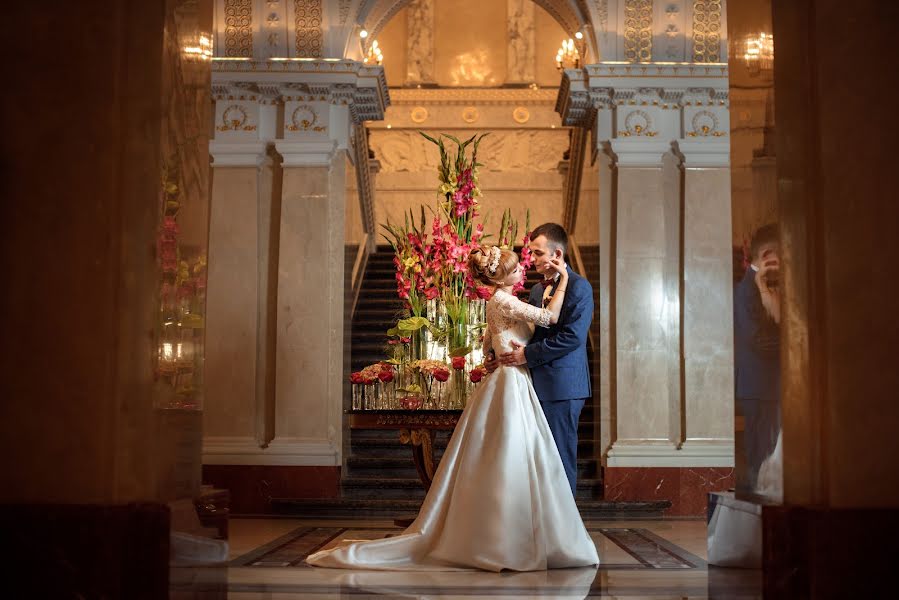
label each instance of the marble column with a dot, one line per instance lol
(239, 307)
(666, 389)
(279, 229)
(707, 258)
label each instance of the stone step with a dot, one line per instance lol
(398, 508)
(403, 467)
(411, 487)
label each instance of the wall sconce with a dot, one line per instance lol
(374, 56)
(757, 51)
(568, 56)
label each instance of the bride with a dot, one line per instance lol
(500, 498)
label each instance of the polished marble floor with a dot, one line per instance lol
(640, 559)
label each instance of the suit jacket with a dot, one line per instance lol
(557, 355)
(756, 343)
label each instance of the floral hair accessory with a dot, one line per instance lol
(494, 260)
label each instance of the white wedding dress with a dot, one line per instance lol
(500, 498)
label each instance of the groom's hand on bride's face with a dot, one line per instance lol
(515, 357)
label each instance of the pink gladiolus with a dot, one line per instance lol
(484, 292)
(431, 293)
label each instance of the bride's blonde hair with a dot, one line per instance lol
(490, 265)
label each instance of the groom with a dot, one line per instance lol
(557, 355)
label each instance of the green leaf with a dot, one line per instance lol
(413, 323)
(460, 351)
(393, 331)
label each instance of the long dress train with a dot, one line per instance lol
(500, 498)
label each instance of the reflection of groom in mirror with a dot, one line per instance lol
(557, 355)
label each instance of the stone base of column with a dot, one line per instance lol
(252, 487)
(687, 488)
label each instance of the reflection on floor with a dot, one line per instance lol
(640, 559)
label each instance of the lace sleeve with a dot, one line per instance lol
(522, 311)
(488, 343)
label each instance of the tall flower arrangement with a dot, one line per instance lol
(453, 240)
(445, 305)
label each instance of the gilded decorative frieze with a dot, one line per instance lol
(706, 31)
(638, 30)
(308, 25)
(238, 28)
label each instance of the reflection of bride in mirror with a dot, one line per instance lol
(770, 478)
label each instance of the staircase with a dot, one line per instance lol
(379, 479)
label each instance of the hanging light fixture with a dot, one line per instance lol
(374, 56)
(758, 52)
(568, 56)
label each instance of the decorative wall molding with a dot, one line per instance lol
(465, 97)
(247, 154)
(238, 24)
(308, 28)
(707, 31)
(639, 453)
(536, 151)
(281, 451)
(347, 83)
(646, 102)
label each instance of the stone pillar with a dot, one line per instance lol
(666, 387)
(283, 139)
(239, 350)
(707, 302)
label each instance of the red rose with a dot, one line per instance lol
(393, 342)
(476, 375)
(405, 340)
(386, 376)
(458, 362)
(356, 377)
(370, 380)
(484, 292)
(441, 374)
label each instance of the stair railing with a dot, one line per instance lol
(366, 167)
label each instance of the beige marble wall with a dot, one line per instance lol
(233, 305)
(666, 371)
(309, 362)
(708, 306)
(642, 314)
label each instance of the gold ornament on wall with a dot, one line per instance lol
(706, 31)
(304, 118)
(637, 124)
(419, 114)
(234, 118)
(470, 114)
(638, 30)
(705, 124)
(521, 114)
(239, 28)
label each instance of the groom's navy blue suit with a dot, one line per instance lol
(557, 358)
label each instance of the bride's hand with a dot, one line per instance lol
(558, 266)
